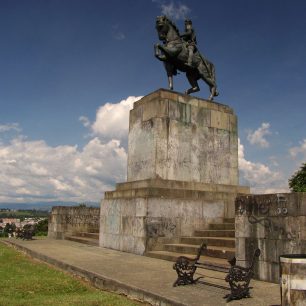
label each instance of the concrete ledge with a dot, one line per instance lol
(100, 281)
(173, 184)
(182, 98)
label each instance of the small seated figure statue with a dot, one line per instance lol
(190, 38)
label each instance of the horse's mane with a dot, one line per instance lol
(173, 25)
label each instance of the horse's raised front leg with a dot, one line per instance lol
(158, 54)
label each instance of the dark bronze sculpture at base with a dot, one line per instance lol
(176, 52)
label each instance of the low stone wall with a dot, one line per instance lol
(65, 220)
(276, 224)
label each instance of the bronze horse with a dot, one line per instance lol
(174, 54)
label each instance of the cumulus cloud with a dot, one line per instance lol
(257, 137)
(33, 170)
(299, 151)
(175, 11)
(260, 177)
(112, 119)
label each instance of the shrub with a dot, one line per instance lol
(297, 182)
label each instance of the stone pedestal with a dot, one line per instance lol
(182, 172)
(178, 137)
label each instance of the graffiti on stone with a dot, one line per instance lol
(262, 209)
(160, 227)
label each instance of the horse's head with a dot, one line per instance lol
(165, 28)
(162, 27)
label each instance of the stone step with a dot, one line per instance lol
(222, 226)
(84, 240)
(88, 235)
(213, 251)
(229, 220)
(211, 241)
(214, 233)
(210, 263)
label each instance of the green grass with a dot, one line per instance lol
(24, 281)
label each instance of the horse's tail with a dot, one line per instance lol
(208, 73)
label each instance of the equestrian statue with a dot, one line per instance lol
(180, 52)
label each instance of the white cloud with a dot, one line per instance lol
(85, 121)
(299, 151)
(112, 119)
(33, 170)
(259, 176)
(10, 127)
(175, 11)
(257, 137)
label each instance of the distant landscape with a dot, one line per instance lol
(46, 206)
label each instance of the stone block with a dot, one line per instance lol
(139, 245)
(141, 207)
(139, 227)
(165, 94)
(127, 225)
(173, 143)
(113, 224)
(240, 249)
(155, 108)
(128, 208)
(220, 120)
(200, 116)
(243, 228)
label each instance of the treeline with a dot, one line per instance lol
(23, 213)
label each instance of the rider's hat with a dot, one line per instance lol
(188, 21)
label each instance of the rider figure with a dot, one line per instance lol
(190, 38)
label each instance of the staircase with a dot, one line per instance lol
(220, 239)
(90, 238)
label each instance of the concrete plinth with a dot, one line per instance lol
(179, 137)
(182, 172)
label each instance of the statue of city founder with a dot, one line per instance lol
(180, 52)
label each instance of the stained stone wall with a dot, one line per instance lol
(139, 216)
(67, 220)
(182, 173)
(276, 224)
(179, 137)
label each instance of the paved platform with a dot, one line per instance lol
(146, 279)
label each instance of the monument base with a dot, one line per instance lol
(138, 215)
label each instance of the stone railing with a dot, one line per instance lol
(274, 223)
(65, 220)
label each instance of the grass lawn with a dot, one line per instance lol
(24, 281)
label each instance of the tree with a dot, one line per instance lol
(297, 182)
(42, 226)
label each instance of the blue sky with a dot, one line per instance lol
(71, 69)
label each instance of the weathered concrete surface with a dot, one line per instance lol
(143, 278)
(276, 224)
(67, 220)
(178, 137)
(182, 173)
(138, 215)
